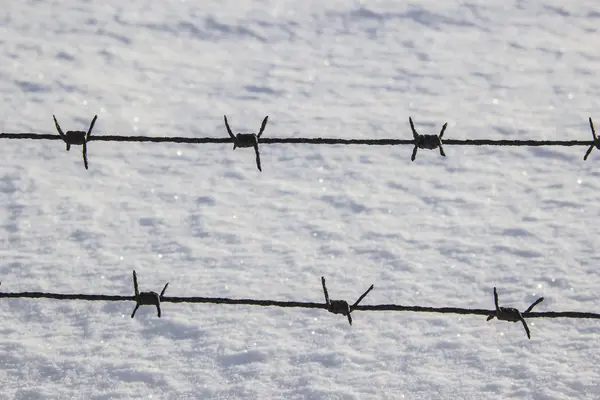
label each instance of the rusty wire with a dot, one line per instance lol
(333, 306)
(419, 141)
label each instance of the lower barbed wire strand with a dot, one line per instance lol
(296, 304)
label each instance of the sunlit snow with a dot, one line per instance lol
(440, 231)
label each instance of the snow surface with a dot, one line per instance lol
(436, 232)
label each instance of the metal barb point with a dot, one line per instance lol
(342, 306)
(512, 314)
(76, 137)
(595, 143)
(247, 139)
(430, 142)
(146, 298)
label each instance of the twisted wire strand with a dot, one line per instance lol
(331, 141)
(295, 304)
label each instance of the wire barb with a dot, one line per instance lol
(595, 143)
(247, 139)
(146, 298)
(76, 137)
(342, 306)
(512, 314)
(431, 141)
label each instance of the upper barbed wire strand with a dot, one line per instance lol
(316, 140)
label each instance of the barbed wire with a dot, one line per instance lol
(419, 141)
(342, 307)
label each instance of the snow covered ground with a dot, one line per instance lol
(436, 232)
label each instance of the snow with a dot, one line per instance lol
(435, 232)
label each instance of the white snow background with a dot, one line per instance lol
(434, 232)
